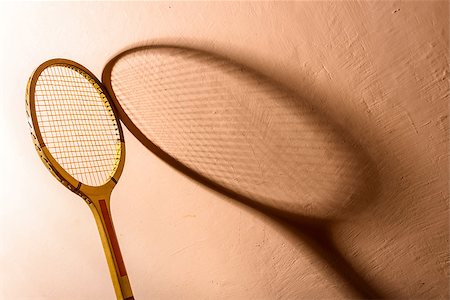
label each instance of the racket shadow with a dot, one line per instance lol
(250, 138)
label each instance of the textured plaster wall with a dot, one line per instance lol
(378, 69)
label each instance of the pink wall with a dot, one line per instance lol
(379, 70)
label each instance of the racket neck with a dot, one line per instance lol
(100, 207)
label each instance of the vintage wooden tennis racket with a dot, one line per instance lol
(78, 136)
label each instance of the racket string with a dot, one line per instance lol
(77, 124)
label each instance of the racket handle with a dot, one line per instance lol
(101, 211)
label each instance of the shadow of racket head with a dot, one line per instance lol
(249, 137)
(239, 132)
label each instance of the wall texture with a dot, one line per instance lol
(379, 70)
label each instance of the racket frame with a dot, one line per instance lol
(97, 197)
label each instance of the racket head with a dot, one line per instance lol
(75, 127)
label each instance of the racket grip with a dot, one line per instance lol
(110, 243)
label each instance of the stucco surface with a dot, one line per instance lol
(377, 70)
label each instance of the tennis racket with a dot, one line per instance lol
(78, 136)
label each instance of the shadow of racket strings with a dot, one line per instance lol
(248, 137)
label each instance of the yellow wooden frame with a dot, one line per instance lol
(97, 197)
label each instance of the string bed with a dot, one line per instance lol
(235, 128)
(77, 124)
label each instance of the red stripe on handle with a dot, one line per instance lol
(112, 238)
